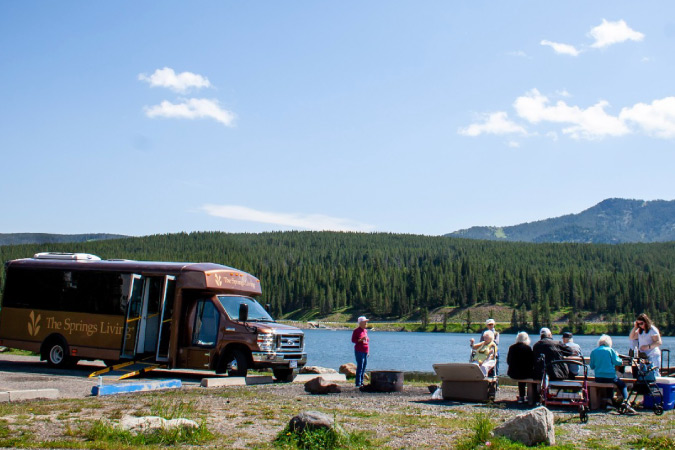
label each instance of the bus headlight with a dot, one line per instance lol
(266, 342)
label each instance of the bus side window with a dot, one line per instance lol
(206, 324)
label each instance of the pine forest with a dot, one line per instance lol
(395, 276)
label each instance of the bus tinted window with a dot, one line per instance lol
(57, 290)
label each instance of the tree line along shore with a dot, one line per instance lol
(433, 281)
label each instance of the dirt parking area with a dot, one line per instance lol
(28, 372)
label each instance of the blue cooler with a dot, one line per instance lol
(667, 388)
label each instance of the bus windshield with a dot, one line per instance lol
(256, 313)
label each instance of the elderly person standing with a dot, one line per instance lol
(648, 339)
(361, 349)
(604, 359)
(521, 361)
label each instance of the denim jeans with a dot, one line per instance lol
(361, 360)
(618, 382)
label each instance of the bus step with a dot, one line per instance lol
(129, 369)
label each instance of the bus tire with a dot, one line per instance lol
(284, 375)
(56, 353)
(236, 363)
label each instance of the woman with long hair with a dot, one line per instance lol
(648, 339)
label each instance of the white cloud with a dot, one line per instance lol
(590, 123)
(518, 53)
(609, 33)
(564, 49)
(656, 119)
(513, 144)
(494, 123)
(192, 108)
(181, 82)
(317, 222)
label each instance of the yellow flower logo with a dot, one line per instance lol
(34, 324)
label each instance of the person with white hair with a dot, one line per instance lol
(490, 326)
(484, 352)
(547, 350)
(604, 359)
(521, 361)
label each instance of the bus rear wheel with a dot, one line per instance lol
(57, 354)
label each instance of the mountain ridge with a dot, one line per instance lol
(51, 238)
(612, 221)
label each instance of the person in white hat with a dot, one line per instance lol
(361, 349)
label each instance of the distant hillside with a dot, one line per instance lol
(611, 221)
(47, 238)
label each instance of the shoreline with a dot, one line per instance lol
(592, 329)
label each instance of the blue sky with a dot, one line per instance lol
(409, 117)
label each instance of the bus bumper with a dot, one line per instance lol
(271, 359)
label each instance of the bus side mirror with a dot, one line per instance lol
(243, 312)
(268, 306)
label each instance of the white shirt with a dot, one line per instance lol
(647, 338)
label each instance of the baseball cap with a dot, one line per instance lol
(490, 321)
(362, 319)
(544, 331)
(567, 335)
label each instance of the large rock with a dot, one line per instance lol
(348, 369)
(320, 386)
(530, 428)
(317, 369)
(311, 420)
(147, 423)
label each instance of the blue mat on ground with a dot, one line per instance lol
(122, 388)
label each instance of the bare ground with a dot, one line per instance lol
(251, 416)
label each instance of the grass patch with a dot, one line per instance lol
(15, 351)
(321, 439)
(103, 431)
(482, 438)
(657, 443)
(172, 409)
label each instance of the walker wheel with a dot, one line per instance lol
(583, 414)
(623, 407)
(658, 410)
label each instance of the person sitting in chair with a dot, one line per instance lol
(484, 352)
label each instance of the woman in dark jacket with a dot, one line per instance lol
(521, 361)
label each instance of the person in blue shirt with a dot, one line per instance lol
(604, 359)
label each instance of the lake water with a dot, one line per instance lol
(417, 352)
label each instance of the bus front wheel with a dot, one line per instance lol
(57, 354)
(237, 364)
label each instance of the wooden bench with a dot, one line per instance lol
(598, 393)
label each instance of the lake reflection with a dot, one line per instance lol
(390, 350)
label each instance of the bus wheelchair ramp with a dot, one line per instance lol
(129, 369)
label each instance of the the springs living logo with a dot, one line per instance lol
(34, 324)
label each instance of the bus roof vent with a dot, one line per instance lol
(67, 256)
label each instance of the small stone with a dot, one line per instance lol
(312, 420)
(317, 369)
(348, 369)
(319, 386)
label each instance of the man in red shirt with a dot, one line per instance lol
(361, 349)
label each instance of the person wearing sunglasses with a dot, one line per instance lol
(648, 339)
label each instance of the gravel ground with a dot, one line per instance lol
(251, 416)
